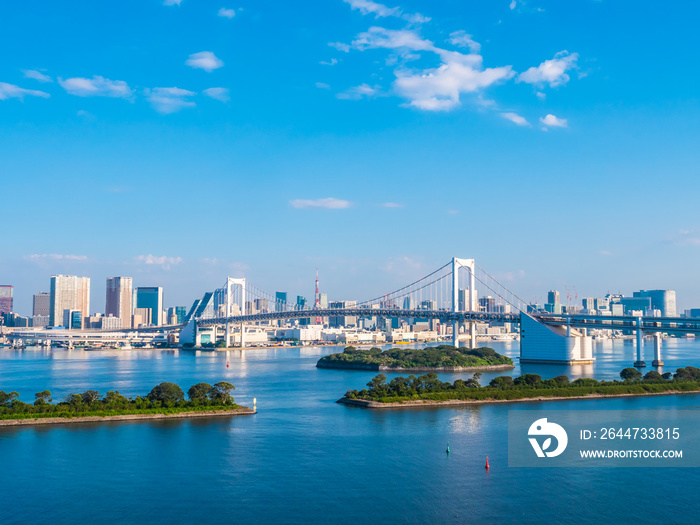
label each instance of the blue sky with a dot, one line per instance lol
(181, 142)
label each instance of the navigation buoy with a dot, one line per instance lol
(227, 365)
(448, 448)
(487, 463)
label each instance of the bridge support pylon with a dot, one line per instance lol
(657, 351)
(639, 363)
(471, 266)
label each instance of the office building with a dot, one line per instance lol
(588, 303)
(83, 296)
(177, 314)
(151, 297)
(141, 317)
(72, 319)
(301, 302)
(553, 297)
(324, 300)
(664, 300)
(409, 303)
(6, 292)
(41, 304)
(487, 304)
(118, 299)
(63, 296)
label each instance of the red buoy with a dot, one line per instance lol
(487, 463)
(227, 364)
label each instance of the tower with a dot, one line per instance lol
(317, 300)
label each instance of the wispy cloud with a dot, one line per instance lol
(551, 121)
(329, 203)
(516, 119)
(172, 2)
(462, 39)
(392, 205)
(96, 86)
(169, 100)
(551, 72)
(322, 85)
(55, 257)
(513, 4)
(163, 261)
(218, 93)
(368, 7)
(226, 13)
(36, 75)
(8, 91)
(685, 238)
(331, 62)
(357, 92)
(205, 60)
(345, 48)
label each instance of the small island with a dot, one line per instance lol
(428, 390)
(443, 358)
(166, 400)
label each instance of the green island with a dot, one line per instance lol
(428, 390)
(166, 400)
(443, 358)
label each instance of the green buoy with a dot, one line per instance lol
(448, 448)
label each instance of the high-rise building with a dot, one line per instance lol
(83, 296)
(177, 314)
(118, 299)
(63, 296)
(487, 304)
(664, 300)
(409, 303)
(6, 292)
(301, 302)
(324, 300)
(41, 305)
(151, 297)
(553, 297)
(280, 301)
(588, 303)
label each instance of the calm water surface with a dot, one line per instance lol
(305, 459)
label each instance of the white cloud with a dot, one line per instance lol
(226, 13)
(331, 62)
(55, 257)
(218, 93)
(439, 89)
(164, 261)
(11, 91)
(345, 48)
(322, 85)
(552, 72)
(541, 95)
(36, 75)
(205, 60)
(329, 203)
(172, 2)
(554, 122)
(462, 39)
(513, 5)
(95, 87)
(392, 205)
(515, 118)
(357, 92)
(367, 7)
(435, 89)
(169, 100)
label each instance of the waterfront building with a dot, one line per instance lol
(664, 300)
(151, 297)
(110, 322)
(40, 321)
(630, 304)
(72, 319)
(141, 317)
(176, 314)
(41, 304)
(119, 297)
(63, 296)
(82, 300)
(6, 292)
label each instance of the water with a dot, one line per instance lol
(304, 458)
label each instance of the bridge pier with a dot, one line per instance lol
(242, 335)
(657, 351)
(639, 363)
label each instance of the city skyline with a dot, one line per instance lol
(147, 129)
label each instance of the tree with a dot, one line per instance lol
(90, 396)
(6, 399)
(166, 392)
(221, 391)
(74, 399)
(528, 379)
(630, 374)
(113, 397)
(667, 375)
(501, 382)
(653, 375)
(41, 398)
(199, 392)
(560, 380)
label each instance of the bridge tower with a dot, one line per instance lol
(471, 306)
(230, 296)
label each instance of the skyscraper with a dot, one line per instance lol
(41, 305)
(553, 297)
(118, 299)
(151, 297)
(280, 301)
(6, 292)
(83, 296)
(664, 300)
(63, 296)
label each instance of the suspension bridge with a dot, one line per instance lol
(457, 296)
